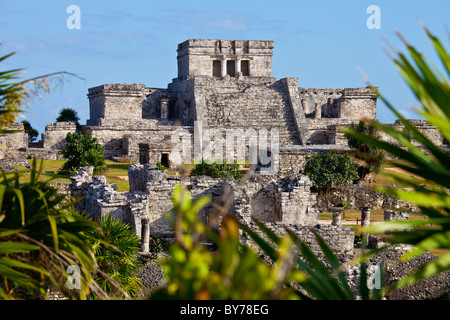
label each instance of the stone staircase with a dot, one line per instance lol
(236, 104)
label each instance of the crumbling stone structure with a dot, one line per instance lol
(52, 141)
(276, 201)
(390, 215)
(17, 141)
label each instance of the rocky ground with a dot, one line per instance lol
(437, 287)
(152, 277)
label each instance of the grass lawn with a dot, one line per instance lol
(116, 173)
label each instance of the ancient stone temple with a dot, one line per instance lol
(223, 84)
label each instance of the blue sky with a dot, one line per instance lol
(324, 43)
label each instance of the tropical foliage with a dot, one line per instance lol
(15, 94)
(31, 132)
(217, 170)
(330, 169)
(115, 252)
(40, 238)
(44, 244)
(372, 157)
(420, 157)
(80, 151)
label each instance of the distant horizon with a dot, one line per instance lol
(326, 44)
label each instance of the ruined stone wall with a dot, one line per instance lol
(195, 56)
(44, 154)
(17, 140)
(326, 101)
(431, 132)
(339, 238)
(292, 159)
(359, 196)
(323, 131)
(267, 198)
(298, 204)
(116, 102)
(274, 201)
(390, 215)
(151, 106)
(55, 134)
(123, 138)
(100, 198)
(358, 103)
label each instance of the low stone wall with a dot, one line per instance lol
(431, 132)
(359, 196)
(390, 215)
(339, 239)
(292, 159)
(17, 141)
(44, 154)
(55, 134)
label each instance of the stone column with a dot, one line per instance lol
(223, 67)
(329, 108)
(164, 108)
(237, 66)
(336, 216)
(145, 235)
(305, 106)
(365, 216)
(318, 111)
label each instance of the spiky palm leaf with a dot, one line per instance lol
(419, 156)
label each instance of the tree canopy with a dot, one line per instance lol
(68, 115)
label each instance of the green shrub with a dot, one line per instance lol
(160, 167)
(156, 246)
(372, 156)
(217, 170)
(80, 151)
(330, 169)
(345, 204)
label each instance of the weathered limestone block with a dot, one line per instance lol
(390, 215)
(17, 141)
(202, 57)
(358, 103)
(55, 134)
(337, 211)
(340, 239)
(115, 102)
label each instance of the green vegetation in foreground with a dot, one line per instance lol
(116, 173)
